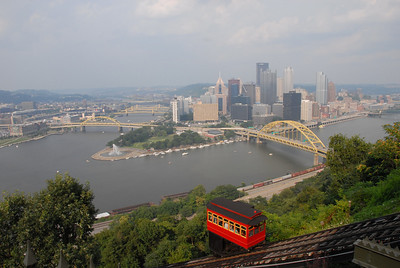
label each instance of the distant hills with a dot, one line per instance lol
(195, 90)
(16, 97)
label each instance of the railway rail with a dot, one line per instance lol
(336, 244)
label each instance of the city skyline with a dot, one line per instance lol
(82, 44)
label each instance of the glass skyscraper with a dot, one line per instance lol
(287, 79)
(321, 93)
(260, 67)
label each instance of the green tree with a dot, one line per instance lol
(229, 134)
(60, 218)
(12, 210)
(344, 156)
(384, 157)
(227, 191)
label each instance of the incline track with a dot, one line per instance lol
(316, 248)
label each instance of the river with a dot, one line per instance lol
(116, 184)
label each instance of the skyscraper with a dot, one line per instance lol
(268, 87)
(331, 92)
(321, 92)
(249, 90)
(221, 92)
(306, 110)
(287, 79)
(175, 110)
(291, 106)
(279, 88)
(260, 67)
(234, 86)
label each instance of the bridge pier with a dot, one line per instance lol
(83, 128)
(258, 140)
(120, 129)
(316, 158)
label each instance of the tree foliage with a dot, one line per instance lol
(59, 217)
(141, 135)
(384, 156)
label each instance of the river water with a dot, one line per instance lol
(127, 182)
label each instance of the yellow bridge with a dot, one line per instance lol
(100, 121)
(158, 109)
(290, 133)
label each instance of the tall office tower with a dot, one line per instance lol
(234, 90)
(331, 92)
(175, 110)
(260, 67)
(291, 106)
(249, 89)
(221, 92)
(279, 88)
(306, 110)
(321, 92)
(287, 79)
(268, 87)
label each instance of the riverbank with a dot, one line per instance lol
(19, 140)
(130, 153)
(127, 153)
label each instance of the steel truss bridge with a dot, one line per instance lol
(157, 109)
(100, 121)
(290, 133)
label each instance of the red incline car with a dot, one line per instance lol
(234, 221)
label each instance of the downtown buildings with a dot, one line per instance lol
(271, 98)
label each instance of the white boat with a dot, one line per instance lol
(185, 153)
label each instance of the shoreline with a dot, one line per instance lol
(137, 153)
(128, 153)
(30, 139)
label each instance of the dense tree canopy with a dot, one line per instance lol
(60, 217)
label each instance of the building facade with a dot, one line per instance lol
(321, 93)
(260, 67)
(205, 112)
(287, 79)
(306, 110)
(291, 106)
(268, 87)
(331, 92)
(234, 90)
(175, 110)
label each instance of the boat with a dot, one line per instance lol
(185, 153)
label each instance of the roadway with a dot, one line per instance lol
(267, 191)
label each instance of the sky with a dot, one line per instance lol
(76, 44)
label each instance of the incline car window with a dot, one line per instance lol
(234, 227)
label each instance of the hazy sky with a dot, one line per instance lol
(89, 44)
